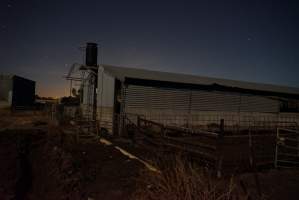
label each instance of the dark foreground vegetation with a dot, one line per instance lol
(40, 161)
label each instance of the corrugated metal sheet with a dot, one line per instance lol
(161, 98)
(153, 98)
(87, 91)
(5, 87)
(215, 101)
(251, 103)
(23, 92)
(105, 89)
(156, 98)
(135, 97)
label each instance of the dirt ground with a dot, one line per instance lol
(83, 171)
(36, 162)
(275, 184)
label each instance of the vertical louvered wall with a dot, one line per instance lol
(215, 101)
(156, 98)
(197, 107)
(185, 101)
(251, 103)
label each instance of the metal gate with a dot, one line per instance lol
(287, 148)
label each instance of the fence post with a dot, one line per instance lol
(276, 148)
(221, 135)
(219, 148)
(138, 121)
(253, 163)
(163, 130)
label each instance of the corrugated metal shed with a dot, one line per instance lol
(188, 100)
(17, 91)
(5, 87)
(23, 94)
(153, 98)
(125, 72)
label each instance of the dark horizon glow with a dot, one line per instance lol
(253, 41)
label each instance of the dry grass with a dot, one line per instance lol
(181, 180)
(13, 120)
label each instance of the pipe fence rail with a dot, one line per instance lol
(218, 146)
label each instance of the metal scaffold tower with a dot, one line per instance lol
(86, 77)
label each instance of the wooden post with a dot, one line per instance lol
(253, 164)
(221, 135)
(162, 130)
(219, 148)
(71, 87)
(138, 121)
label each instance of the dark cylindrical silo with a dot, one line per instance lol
(91, 58)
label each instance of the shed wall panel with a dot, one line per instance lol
(5, 87)
(23, 93)
(197, 107)
(105, 100)
(197, 100)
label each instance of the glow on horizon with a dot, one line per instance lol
(55, 92)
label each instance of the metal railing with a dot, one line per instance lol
(233, 123)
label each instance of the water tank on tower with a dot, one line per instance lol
(91, 58)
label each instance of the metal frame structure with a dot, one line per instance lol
(186, 100)
(85, 76)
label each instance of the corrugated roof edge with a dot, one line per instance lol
(6, 76)
(11, 76)
(127, 72)
(16, 76)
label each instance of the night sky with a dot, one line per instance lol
(245, 40)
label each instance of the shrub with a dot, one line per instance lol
(181, 180)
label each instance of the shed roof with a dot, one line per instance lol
(11, 76)
(125, 72)
(6, 76)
